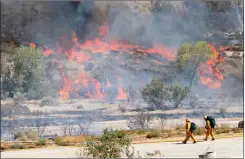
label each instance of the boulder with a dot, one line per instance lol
(241, 124)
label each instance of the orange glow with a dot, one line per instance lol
(33, 45)
(121, 94)
(64, 92)
(208, 73)
(97, 89)
(108, 84)
(47, 52)
(103, 30)
(82, 52)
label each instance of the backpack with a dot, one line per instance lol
(193, 126)
(211, 120)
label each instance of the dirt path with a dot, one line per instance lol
(226, 148)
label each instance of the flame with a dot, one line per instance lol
(208, 73)
(121, 94)
(103, 30)
(64, 92)
(82, 52)
(47, 52)
(98, 90)
(33, 45)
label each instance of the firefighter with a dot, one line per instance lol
(210, 124)
(190, 127)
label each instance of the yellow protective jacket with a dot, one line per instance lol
(208, 124)
(188, 126)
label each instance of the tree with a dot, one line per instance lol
(177, 94)
(153, 93)
(111, 144)
(158, 95)
(29, 71)
(189, 57)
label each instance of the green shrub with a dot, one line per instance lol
(26, 135)
(111, 144)
(61, 142)
(140, 132)
(223, 129)
(18, 146)
(153, 134)
(32, 135)
(237, 130)
(29, 71)
(41, 142)
(47, 101)
(156, 94)
(23, 138)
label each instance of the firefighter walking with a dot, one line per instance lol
(210, 124)
(190, 127)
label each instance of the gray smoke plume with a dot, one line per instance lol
(171, 23)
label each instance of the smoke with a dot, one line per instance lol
(170, 23)
(141, 22)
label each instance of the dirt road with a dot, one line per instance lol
(226, 148)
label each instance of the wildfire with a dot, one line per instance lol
(83, 52)
(64, 92)
(33, 45)
(208, 73)
(103, 30)
(121, 93)
(108, 84)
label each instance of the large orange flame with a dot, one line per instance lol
(208, 73)
(121, 93)
(83, 52)
(67, 86)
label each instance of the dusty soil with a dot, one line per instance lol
(222, 147)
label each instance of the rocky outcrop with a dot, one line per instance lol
(241, 124)
(233, 65)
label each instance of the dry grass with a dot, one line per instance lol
(138, 136)
(72, 140)
(199, 131)
(168, 135)
(225, 129)
(154, 134)
(18, 145)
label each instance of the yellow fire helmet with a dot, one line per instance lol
(205, 117)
